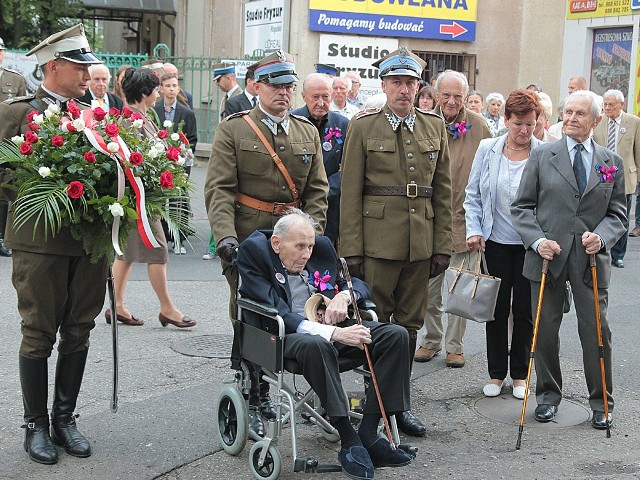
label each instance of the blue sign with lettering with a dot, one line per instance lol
(635, 4)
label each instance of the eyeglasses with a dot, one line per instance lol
(610, 104)
(289, 87)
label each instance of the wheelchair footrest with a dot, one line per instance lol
(311, 465)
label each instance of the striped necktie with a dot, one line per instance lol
(611, 136)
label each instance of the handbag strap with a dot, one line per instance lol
(276, 159)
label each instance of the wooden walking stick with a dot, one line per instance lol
(387, 430)
(543, 279)
(114, 339)
(596, 302)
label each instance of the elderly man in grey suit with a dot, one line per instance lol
(567, 208)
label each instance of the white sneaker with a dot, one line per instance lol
(492, 390)
(209, 255)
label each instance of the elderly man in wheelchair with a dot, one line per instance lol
(283, 269)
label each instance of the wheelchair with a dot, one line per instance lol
(266, 349)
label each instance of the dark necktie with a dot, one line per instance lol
(578, 169)
(254, 101)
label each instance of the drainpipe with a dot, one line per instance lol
(173, 34)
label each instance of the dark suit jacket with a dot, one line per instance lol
(114, 100)
(331, 160)
(236, 104)
(548, 205)
(260, 268)
(189, 128)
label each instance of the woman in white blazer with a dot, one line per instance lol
(493, 183)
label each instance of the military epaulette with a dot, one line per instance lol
(24, 98)
(301, 117)
(427, 112)
(367, 112)
(237, 115)
(11, 70)
(84, 104)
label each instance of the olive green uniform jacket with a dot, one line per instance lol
(239, 162)
(395, 227)
(12, 85)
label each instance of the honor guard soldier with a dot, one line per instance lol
(262, 162)
(12, 84)
(395, 207)
(59, 289)
(224, 74)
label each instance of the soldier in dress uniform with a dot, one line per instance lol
(395, 207)
(59, 290)
(245, 190)
(12, 84)
(224, 74)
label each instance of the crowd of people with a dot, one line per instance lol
(433, 176)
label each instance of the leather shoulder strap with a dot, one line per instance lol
(276, 159)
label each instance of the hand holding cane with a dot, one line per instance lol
(596, 301)
(347, 277)
(114, 337)
(543, 280)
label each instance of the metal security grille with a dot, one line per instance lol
(439, 62)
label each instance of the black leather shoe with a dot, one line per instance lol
(408, 423)
(256, 424)
(544, 412)
(38, 444)
(617, 263)
(64, 433)
(4, 251)
(598, 421)
(267, 408)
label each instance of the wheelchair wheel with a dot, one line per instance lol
(270, 469)
(232, 420)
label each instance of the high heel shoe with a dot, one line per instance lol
(133, 321)
(185, 322)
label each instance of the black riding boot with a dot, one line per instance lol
(64, 432)
(34, 381)
(407, 421)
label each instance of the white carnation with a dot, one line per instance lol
(53, 108)
(138, 123)
(18, 139)
(159, 146)
(153, 153)
(180, 161)
(48, 113)
(38, 119)
(44, 172)
(116, 209)
(175, 137)
(78, 124)
(113, 147)
(167, 124)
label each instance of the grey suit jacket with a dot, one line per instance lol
(548, 205)
(628, 147)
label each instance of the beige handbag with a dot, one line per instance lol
(470, 293)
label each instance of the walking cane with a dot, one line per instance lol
(114, 339)
(596, 302)
(387, 430)
(543, 279)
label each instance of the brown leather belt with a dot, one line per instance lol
(410, 190)
(274, 208)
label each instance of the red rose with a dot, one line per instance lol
(114, 112)
(173, 153)
(136, 116)
(75, 189)
(112, 130)
(136, 158)
(163, 134)
(25, 149)
(126, 112)
(69, 126)
(183, 138)
(73, 111)
(57, 141)
(72, 104)
(31, 137)
(34, 127)
(166, 180)
(99, 113)
(90, 157)
(31, 114)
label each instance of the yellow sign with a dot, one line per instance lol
(598, 8)
(441, 9)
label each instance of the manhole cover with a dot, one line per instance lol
(506, 409)
(208, 346)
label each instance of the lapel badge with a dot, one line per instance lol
(326, 146)
(623, 130)
(280, 278)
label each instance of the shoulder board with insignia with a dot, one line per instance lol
(428, 112)
(237, 115)
(11, 71)
(84, 104)
(367, 112)
(24, 98)
(301, 117)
